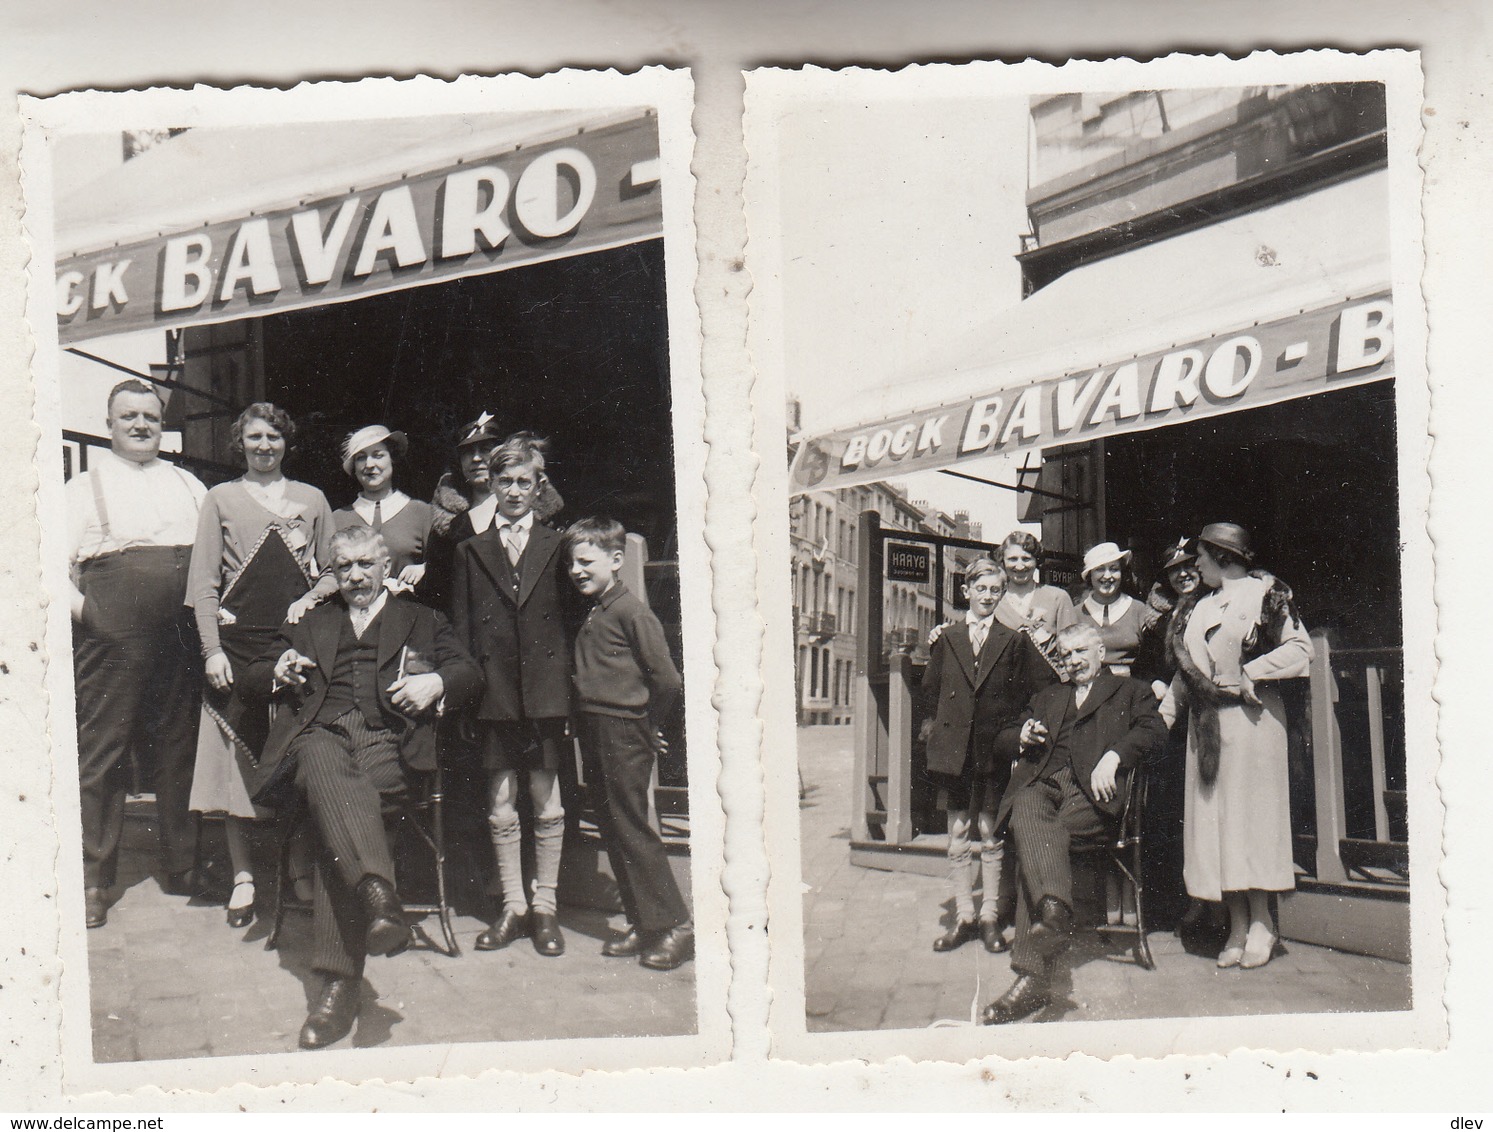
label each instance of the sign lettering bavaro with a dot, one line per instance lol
(1349, 343)
(594, 190)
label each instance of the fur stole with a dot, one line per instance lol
(1204, 696)
(448, 502)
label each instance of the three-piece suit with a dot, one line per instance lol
(353, 754)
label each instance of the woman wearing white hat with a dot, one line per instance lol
(261, 556)
(1231, 644)
(1120, 619)
(369, 456)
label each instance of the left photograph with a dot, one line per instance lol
(372, 483)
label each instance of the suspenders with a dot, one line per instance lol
(96, 481)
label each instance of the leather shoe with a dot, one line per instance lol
(623, 946)
(1053, 930)
(991, 937)
(672, 949)
(387, 931)
(192, 882)
(544, 930)
(95, 907)
(505, 929)
(334, 1014)
(957, 936)
(1027, 995)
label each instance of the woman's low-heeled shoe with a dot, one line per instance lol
(1258, 956)
(242, 917)
(1230, 956)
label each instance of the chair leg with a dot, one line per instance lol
(438, 836)
(1138, 882)
(282, 875)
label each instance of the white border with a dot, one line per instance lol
(772, 92)
(670, 91)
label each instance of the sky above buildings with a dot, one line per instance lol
(900, 224)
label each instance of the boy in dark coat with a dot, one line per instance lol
(512, 606)
(979, 677)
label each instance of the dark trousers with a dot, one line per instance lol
(621, 753)
(136, 666)
(1047, 818)
(353, 781)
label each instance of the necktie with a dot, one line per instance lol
(510, 541)
(1106, 615)
(977, 636)
(378, 514)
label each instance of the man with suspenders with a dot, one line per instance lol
(132, 519)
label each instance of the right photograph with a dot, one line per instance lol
(1098, 530)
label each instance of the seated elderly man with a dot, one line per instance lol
(359, 679)
(1076, 741)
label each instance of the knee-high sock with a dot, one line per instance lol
(507, 838)
(961, 862)
(549, 840)
(992, 855)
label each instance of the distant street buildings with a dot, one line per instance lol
(822, 532)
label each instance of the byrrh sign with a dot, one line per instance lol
(596, 189)
(1349, 343)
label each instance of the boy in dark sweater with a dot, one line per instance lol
(626, 684)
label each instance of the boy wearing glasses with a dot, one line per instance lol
(511, 603)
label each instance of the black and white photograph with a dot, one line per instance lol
(1103, 550)
(376, 517)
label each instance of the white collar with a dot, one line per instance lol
(393, 503)
(1117, 608)
(375, 607)
(132, 465)
(482, 514)
(522, 524)
(971, 619)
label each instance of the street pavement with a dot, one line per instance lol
(170, 979)
(869, 961)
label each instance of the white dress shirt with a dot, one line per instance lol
(150, 504)
(515, 532)
(979, 630)
(362, 617)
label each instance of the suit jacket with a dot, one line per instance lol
(964, 698)
(1119, 715)
(402, 623)
(519, 625)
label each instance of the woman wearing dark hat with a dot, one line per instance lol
(1166, 799)
(369, 456)
(1119, 618)
(464, 504)
(1231, 644)
(1179, 577)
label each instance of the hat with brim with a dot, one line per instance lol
(1102, 555)
(365, 438)
(484, 430)
(1228, 536)
(1176, 555)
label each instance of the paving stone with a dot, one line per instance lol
(883, 925)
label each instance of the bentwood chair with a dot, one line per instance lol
(422, 810)
(1122, 854)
